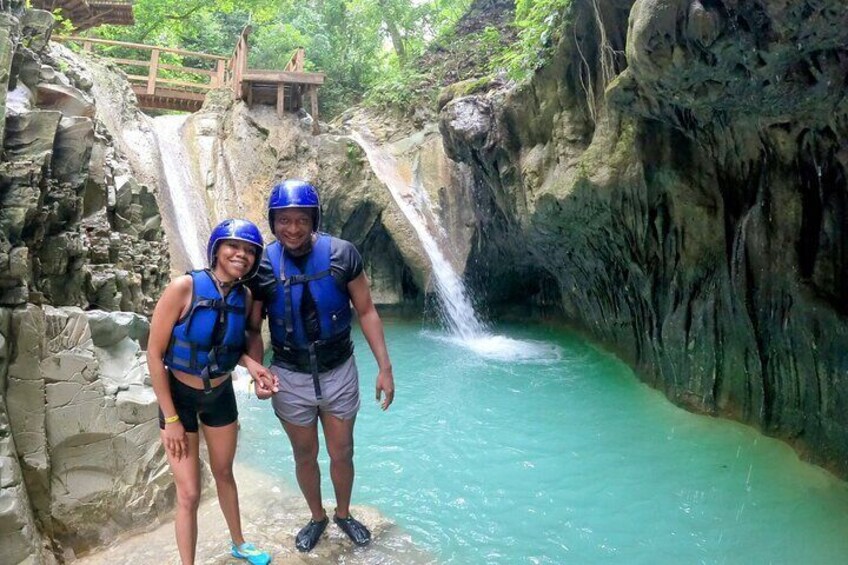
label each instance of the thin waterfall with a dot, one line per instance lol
(188, 204)
(415, 204)
(191, 218)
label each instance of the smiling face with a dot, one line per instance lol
(234, 259)
(293, 229)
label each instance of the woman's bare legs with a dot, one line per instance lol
(221, 443)
(186, 473)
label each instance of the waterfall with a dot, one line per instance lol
(465, 329)
(413, 201)
(188, 207)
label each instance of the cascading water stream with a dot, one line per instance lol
(413, 201)
(191, 218)
(458, 313)
(189, 210)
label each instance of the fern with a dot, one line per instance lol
(539, 23)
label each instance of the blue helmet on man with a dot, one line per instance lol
(294, 193)
(241, 230)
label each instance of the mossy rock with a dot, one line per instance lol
(463, 88)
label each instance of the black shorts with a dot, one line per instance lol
(215, 409)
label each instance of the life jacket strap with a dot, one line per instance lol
(319, 356)
(305, 278)
(218, 304)
(313, 365)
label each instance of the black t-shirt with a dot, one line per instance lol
(345, 265)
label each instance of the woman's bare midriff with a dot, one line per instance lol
(196, 382)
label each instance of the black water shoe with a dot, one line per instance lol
(308, 536)
(354, 529)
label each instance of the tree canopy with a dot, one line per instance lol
(354, 42)
(361, 45)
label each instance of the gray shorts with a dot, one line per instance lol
(295, 401)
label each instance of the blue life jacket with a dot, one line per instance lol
(210, 339)
(331, 302)
(292, 348)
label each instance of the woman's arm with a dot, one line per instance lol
(266, 383)
(165, 316)
(372, 328)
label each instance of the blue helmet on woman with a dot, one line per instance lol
(294, 193)
(241, 230)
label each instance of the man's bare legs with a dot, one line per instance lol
(338, 434)
(304, 442)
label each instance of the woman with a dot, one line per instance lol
(198, 333)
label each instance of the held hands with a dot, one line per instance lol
(385, 384)
(265, 382)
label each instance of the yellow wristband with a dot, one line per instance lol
(172, 419)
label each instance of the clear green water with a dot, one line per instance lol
(570, 459)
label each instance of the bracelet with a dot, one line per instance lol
(172, 419)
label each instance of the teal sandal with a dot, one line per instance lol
(249, 553)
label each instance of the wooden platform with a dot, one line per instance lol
(86, 14)
(285, 89)
(169, 99)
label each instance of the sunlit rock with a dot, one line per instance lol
(66, 99)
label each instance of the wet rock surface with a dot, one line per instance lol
(78, 436)
(84, 422)
(272, 514)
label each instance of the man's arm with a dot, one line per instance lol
(372, 328)
(266, 382)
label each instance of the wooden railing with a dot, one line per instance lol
(185, 88)
(238, 62)
(208, 78)
(296, 61)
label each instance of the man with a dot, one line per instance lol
(306, 283)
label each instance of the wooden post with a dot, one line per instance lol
(298, 65)
(281, 99)
(313, 97)
(219, 78)
(154, 69)
(241, 64)
(86, 46)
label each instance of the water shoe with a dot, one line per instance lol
(355, 530)
(308, 536)
(249, 552)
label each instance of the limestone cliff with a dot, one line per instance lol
(76, 226)
(241, 152)
(79, 434)
(685, 204)
(79, 228)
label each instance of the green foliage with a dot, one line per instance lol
(368, 49)
(63, 26)
(341, 38)
(396, 88)
(539, 23)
